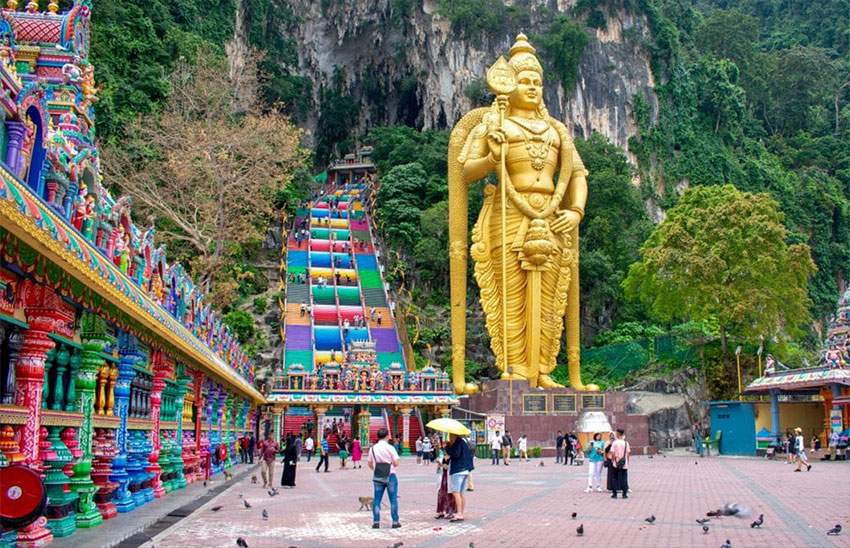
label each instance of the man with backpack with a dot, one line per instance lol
(383, 461)
(619, 453)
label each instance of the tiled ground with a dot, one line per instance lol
(526, 505)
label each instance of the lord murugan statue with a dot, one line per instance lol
(525, 243)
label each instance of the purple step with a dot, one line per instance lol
(298, 337)
(385, 339)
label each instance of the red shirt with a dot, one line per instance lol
(270, 450)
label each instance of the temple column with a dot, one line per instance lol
(277, 423)
(94, 339)
(198, 385)
(320, 411)
(161, 370)
(182, 387)
(129, 352)
(405, 435)
(775, 427)
(364, 420)
(15, 132)
(44, 313)
(229, 416)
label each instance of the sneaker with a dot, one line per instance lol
(376, 526)
(614, 496)
(598, 489)
(589, 489)
(625, 496)
(396, 525)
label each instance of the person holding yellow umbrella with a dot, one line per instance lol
(460, 461)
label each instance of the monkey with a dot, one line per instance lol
(253, 479)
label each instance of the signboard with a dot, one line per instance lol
(835, 422)
(534, 403)
(564, 403)
(8, 292)
(495, 423)
(593, 401)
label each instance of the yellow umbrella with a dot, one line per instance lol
(448, 425)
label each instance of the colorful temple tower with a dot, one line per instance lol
(109, 354)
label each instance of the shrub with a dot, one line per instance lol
(535, 452)
(260, 305)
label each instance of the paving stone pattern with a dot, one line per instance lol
(526, 505)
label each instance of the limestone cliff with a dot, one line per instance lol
(413, 68)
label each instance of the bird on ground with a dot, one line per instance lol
(573, 515)
(705, 529)
(216, 508)
(731, 509)
(228, 476)
(265, 514)
(240, 495)
(396, 545)
(650, 519)
(273, 492)
(246, 503)
(727, 544)
(650, 456)
(471, 545)
(835, 530)
(580, 530)
(758, 522)
(205, 483)
(703, 521)
(240, 542)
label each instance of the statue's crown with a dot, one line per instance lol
(522, 56)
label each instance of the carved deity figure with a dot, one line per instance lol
(530, 283)
(833, 357)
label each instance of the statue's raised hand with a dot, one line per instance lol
(565, 221)
(495, 138)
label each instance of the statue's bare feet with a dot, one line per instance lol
(546, 382)
(466, 389)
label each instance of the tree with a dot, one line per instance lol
(209, 165)
(721, 256)
(562, 44)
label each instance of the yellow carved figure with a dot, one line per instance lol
(531, 284)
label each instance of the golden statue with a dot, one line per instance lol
(528, 286)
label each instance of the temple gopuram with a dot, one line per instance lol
(344, 368)
(118, 382)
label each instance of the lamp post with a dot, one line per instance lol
(738, 359)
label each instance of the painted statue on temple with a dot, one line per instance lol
(770, 366)
(833, 357)
(531, 284)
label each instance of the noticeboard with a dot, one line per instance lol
(593, 401)
(564, 403)
(534, 403)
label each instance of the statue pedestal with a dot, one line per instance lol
(540, 412)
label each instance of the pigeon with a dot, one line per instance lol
(246, 503)
(216, 508)
(205, 483)
(240, 542)
(835, 530)
(727, 544)
(758, 522)
(265, 514)
(650, 519)
(573, 515)
(580, 530)
(396, 545)
(705, 529)
(730, 509)
(703, 521)
(273, 492)
(240, 495)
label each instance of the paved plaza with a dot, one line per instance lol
(526, 505)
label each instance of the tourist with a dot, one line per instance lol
(460, 465)
(595, 456)
(606, 453)
(356, 454)
(522, 448)
(446, 505)
(833, 444)
(800, 447)
(419, 450)
(697, 439)
(426, 450)
(379, 317)
(342, 447)
(471, 443)
(372, 311)
(243, 449)
(507, 446)
(323, 449)
(303, 309)
(790, 447)
(308, 445)
(383, 461)
(495, 448)
(290, 459)
(251, 447)
(299, 444)
(569, 451)
(620, 453)
(269, 450)
(559, 448)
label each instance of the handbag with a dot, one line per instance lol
(622, 462)
(382, 471)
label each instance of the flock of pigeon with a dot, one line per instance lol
(728, 509)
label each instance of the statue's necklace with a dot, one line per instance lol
(539, 142)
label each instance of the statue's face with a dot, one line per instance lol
(529, 91)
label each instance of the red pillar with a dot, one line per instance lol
(161, 370)
(43, 311)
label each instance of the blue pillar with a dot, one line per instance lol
(129, 351)
(775, 427)
(836, 393)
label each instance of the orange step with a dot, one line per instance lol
(293, 315)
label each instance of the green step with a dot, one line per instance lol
(324, 295)
(296, 270)
(370, 279)
(348, 295)
(385, 359)
(361, 235)
(340, 234)
(297, 293)
(374, 297)
(319, 233)
(304, 357)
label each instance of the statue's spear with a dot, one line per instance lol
(501, 80)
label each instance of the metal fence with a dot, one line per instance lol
(618, 360)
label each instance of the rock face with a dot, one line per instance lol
(672, 402)
(413, 68)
